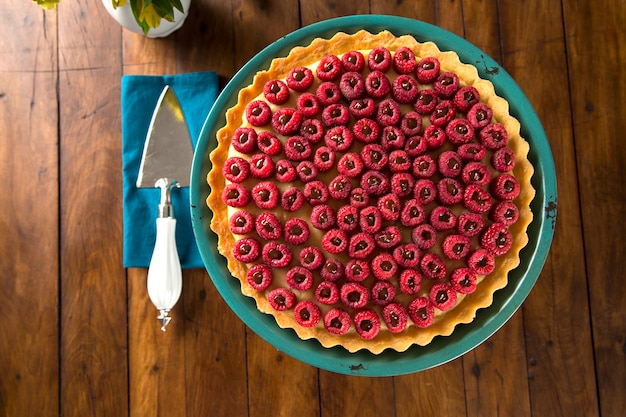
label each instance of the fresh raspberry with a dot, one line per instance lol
(392, 138)
(327, 293)
(470, 224)
(361, 245)
(370, 219)
(442, 218)
(415, 145)
(424, 236)
(328, 93)
(329, 68)
(374, 156)
(367, 324)
(335, 115)
(444, 112)
(481, 262)
(276, 92)
(315, 192)
(476, 199)
(261, 166)
(410, 281)
(244, 140)
(276, 255)
(324, 158)
(335, 241)
(505, 187)
(379, 59)
(241, 222)
(307, 171)
(449, 164)
(434, 136)
(312, 130)
(350, 165)
(307, 313)
(497, 239)
(347, 218)
(332, 270)
(407, 255)
(456, 246)
(339, 188)
(503, 160)
(411, 124)
(424, 166)
(339, 138)
(425, 191)
(236, 169)
(236, 195)
(442, 295)
(323, 217)
(337, 321)
(281, 299)
(352, 85)
(265, 195)
(388, 237)
(476, 173)
(357, 270)
(433, 267)
(359, 198)
(268, 226)
(366, 130)
(300, 78)
(258, 113)
(446, 84)
(308, 105)
(247, 250)
(466, 97)
(383, 292)
(404, 60)
(493, 136)
(463, 280)
(354, 295)
(377, 85)
(287, 121)
(292, 199)
(388, 112)
(395, 317)
(311, 257)
(471, 151)
(459, 131)
(362, 108)
(413, 213)
(504, 212)
(299, 278)
(449, 191)
(259, 276)
(389, 206)
(427, 70)
(268, 143)
(404, 89)
(296, 231)
(421, 312)
(402, 184)
(297, 148)
(353, 61)
(426, 101)
(479, 115)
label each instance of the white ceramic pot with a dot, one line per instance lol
(124, 16)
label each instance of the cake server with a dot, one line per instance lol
(166, 164)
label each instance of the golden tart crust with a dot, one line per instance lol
(465, 309)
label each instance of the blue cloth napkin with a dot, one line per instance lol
(196, 92)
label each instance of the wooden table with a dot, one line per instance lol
(77, 331)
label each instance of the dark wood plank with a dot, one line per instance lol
(596, 52)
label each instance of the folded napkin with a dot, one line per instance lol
(197, 93)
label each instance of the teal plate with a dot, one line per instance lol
(442, 349)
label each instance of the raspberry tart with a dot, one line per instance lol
(370, 191)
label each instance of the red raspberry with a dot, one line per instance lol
(332, 270)
(388, 237)
(340, 187)
(481, 262)
(424, 236)
(297, 148)
(476, 173)
(504, 212)
(421, 312)
(353, 61)
(300, 78)
(327, 293)
(323, 217)
(433, 267)
(374, 156)
(449, 164)
(265, 195)
(413, 213)
(434, 136)
(410, 281)
(493, 136)
(335, 115)
(476, 199)
(348, 218)
(443, 296)
(307, 313)
(383, 292)
(259, 276)
(276, 255)
(361, 245)
(388, 112)
(292, 199)
(366, 130)
(470, 224)
(465, 98)
(299, 278)
(404, 89)
(479, 115)
(312, 130)
(268, 143)
(258, 113)
(329, 68)
(505, 187)
(311, 257)
(463, 280)
(471, 151)
(354, 295)
(497, 239)
(306, 170)
(308, 105)
(411, 123)
(377, 85)
(404, 60)
(328, 93)
(367, 324)
(244, 140)
(359, 198)
(503, 160)
(392, 138)
(247, 250)
(395, 317)
(390, 207)
(407, 255)
(415, 146)
(287, 121)
(447, 84)
(379, 59)
(335, 241)
(261, 166)
(425, 191)
(402, 184)
(324, 158)
(357, 270)
(268, 226)
(442, 115)
(276, 92)
(337, 321)
(281, 299)
(427, 70)
(362, 108)
(426, 101)
(350, 165)
(456, 246)
(316, 192)
(424, 166)
(370, 220)
(339, 138)
(241, 222)
(442, 218)
(352, 85)
(449, 191)
(236, 195)
(296, 231)
(459, 131)
(236, 169)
